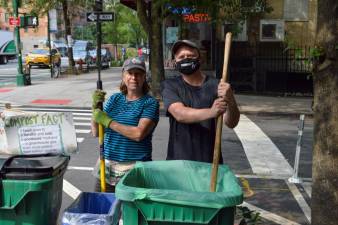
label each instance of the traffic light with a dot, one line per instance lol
(29, 21)
(98, 6)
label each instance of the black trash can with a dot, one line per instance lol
(31, 188)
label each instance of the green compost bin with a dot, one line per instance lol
(177, 192)
(31, 189)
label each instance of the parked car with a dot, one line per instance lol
(40, 57)
(82, 52)
(83, 57)
(105, 57)
(83, 45)
(93, 54)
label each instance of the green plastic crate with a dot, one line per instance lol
(177, 192)
(31, 189)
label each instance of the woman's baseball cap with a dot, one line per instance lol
(181, 43)
(134, 63)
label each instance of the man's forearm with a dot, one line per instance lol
(191, 115)
(231, 116)
(94, 128)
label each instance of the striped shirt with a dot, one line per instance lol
(118, 147)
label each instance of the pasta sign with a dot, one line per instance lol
(196, 18)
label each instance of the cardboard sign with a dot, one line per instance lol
(37, 133)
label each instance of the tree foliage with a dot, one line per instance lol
(126, 28)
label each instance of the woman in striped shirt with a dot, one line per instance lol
(129, 118)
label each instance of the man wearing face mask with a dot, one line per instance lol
(193, 101)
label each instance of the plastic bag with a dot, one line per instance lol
(93, 208)
(180, 182)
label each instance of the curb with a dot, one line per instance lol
(282, 114)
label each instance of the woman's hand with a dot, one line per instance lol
(97, 97)
(101, 118)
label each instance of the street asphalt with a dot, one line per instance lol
(277, 202)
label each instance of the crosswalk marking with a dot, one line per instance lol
(82, 114)
(79, 140)
(83, 168)
(82, 124)
(301, 201)
(80, 131)
(70, 189)
(82, 118)
(263, 155)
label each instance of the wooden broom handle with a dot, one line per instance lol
(218, 137)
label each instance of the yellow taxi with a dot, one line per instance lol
(40, 57)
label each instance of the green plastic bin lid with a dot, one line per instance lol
(180, 182)
(32, 167)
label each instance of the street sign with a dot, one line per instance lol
(14, 21)
(103, 16)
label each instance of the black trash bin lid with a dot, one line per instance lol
(32, 167)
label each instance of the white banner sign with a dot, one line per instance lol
(53, 27)
(38, 133)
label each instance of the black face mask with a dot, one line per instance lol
(188, 66)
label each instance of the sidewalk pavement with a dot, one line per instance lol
(75, 91)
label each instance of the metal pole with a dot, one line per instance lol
(49, 46)
(98, 9)
(19, 76)
(295, 178)
(98, 49)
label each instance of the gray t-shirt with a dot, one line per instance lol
(194, 141)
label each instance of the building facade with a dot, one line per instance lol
(33, 37)
(270, 46)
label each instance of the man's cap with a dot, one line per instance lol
(134, 63)
(181, 43)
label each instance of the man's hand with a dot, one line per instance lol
(101, 118)
(98, 97)
(218, 107)
(225, 92)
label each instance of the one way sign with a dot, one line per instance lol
(103, 16)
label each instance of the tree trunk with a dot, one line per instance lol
(325, 152)
(156, 52)
(68, 32)
(152, 24)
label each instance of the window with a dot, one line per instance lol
(296, 10)
(271, 30)
(238, 30)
